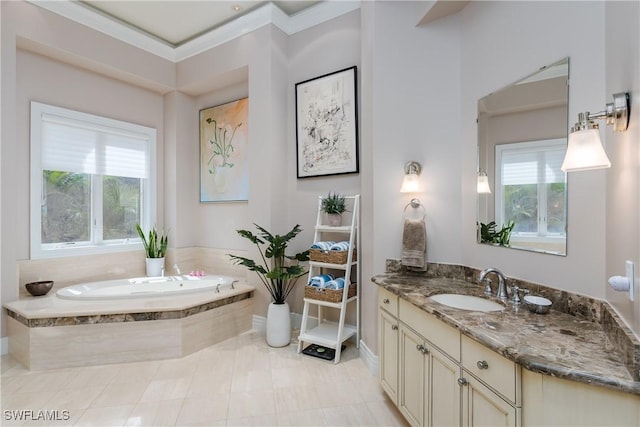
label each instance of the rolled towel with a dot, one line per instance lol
(340, 246)
(335, 284)
(323, 246)
(320, 281)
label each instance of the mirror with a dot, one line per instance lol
(522, 138)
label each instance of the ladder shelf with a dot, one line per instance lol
(328, 333)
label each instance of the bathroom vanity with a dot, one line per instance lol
(446, 366)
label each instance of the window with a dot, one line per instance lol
(531, 188)
(92, 181)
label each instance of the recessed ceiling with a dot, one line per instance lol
(177, 22)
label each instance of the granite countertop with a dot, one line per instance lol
(556, 343)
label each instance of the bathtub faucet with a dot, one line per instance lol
(233, 284)
(218, 288)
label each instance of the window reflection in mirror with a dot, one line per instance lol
(522, 138)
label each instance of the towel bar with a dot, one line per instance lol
(415, 204)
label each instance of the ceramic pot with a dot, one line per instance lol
(334, 220)
(155, 267)
(278, 325)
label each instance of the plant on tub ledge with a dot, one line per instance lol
(155, 248)
(278, 273)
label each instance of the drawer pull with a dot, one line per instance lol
(386, 300)
(394, 327)
(463, 381)
(482, 364)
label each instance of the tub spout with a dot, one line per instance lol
(218, 288)
(233, 284)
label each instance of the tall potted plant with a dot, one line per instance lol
(334, 205)
(155, 247)
(278, 272)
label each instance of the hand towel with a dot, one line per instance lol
(414, 244)
(340, 246)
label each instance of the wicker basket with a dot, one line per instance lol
(329, 295)
(331, 257)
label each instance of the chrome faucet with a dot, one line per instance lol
(501, 293)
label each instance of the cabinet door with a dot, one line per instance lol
(443, 391)
(388, 342)
(481, 407)
(413, 369)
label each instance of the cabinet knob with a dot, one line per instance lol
(463, 381)
(422, 349)
(482, 364)
(394, 327)
(386, 300)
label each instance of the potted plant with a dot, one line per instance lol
(278, 272)
(334, 205)
(155, 248)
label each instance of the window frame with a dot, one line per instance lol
(542, 234)
(96, 245)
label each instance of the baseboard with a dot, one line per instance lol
(369, 359)
(4, 345)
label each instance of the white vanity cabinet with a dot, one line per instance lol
(422, 370)
(388, 344)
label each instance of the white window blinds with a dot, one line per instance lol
(78, 146)
(527, 163)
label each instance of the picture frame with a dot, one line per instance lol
(224, 168)
(327, 124)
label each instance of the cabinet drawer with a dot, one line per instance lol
(494, 370)
(388, 301)
(446, 337)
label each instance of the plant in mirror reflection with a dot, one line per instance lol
(489, 233)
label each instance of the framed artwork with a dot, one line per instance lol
(327, 124)
(224, 172)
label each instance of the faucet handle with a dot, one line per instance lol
(515, 297)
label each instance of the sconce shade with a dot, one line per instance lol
(483, 184)
(585, 152)
(410, 184)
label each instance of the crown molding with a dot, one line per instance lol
(264, 15)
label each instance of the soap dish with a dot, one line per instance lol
(538, 305)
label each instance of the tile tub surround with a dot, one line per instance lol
(565, 345)
(49, 332)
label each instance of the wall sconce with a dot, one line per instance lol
(584, 150)
(410, 183)
(483, 183)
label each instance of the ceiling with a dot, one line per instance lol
(177, 22)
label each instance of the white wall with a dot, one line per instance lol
(501, 43)
(623, 179)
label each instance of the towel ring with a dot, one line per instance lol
(415, 204)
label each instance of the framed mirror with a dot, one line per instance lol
(522, 138)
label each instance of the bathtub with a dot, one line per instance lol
(128, 320)
(143, 287)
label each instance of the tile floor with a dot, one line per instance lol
(239, 382)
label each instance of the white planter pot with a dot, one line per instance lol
(155, 267)
(278, 325)
(334, 220)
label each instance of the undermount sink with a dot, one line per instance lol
(467, 302)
